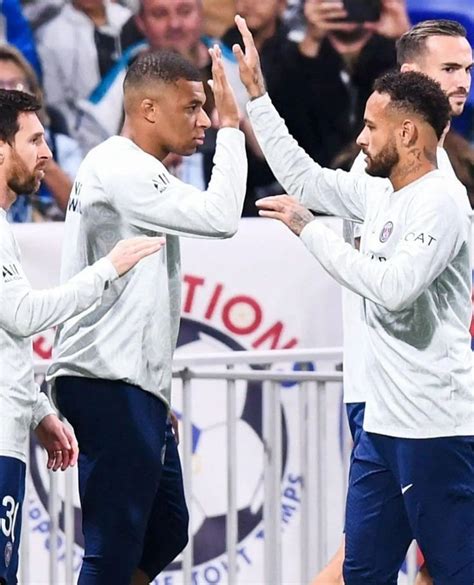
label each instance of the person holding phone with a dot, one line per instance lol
(325, 79)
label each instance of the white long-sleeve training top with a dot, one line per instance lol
(355, 383)
(414, 273)
(121, 191)
(24, 312)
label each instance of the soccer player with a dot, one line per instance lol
(112, 367)
(24, 155)
(440, 49)
(411, 475)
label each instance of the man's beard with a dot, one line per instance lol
(382, 164)
(22, 181)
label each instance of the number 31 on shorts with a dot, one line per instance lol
(8, 523)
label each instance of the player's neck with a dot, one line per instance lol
(7, 196)
(143, 140)
(417, 163)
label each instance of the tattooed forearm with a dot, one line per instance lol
(298, 219)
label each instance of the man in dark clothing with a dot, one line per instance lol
(320, 85)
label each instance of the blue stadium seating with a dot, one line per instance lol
(460, 10)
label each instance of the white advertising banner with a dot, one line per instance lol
(258, 290)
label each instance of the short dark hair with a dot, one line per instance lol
(13, 103)
(415, 92)
(163, 65)
(412, 44)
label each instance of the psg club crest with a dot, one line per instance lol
(386, 232)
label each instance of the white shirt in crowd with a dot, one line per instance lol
(414, 272)
(24, 312)
(121, 191)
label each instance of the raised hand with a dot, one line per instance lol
(287, 209)
(129, 252)
(249, 62)
(226, 104)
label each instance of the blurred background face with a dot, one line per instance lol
(259, 13)
(13, 77)
(448, 60)
(171, 24)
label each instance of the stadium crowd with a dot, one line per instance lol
(319, 72)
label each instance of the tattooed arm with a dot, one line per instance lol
(288, 210)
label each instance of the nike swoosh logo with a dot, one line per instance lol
(406, 488)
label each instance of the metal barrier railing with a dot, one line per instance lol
(313, 388)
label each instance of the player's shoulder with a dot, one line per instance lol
(443, 194)
(121, 156)
(7, 240)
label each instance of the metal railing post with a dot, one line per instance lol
(188, 473)
(53, 527)
(272, 483)
(232, 517)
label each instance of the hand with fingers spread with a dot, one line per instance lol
(226, 104)
(59, 441)
(287, 209)
(249, 62)
(129, 252)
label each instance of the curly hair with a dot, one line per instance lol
(412, 45)
(416, 93)
(13, 103)
(162, 65)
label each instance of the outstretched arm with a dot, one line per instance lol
(397, 282)
(24, 311)
(323, 190)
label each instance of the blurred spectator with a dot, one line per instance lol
(218, 16)
(39, 12)
(323, 82)
(77, 48)
(16, 30)
(51, 200)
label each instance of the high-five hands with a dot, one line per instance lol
(287, 209)
(249, 62)
(224, 98)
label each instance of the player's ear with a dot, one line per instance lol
(149, 110)
(409, 67)
(3, 146)
(408, 133)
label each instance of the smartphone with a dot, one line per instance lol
(362, 10)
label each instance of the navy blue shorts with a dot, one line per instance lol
(134, 513)
(405, 489)
(12, 493)
(355, 418)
